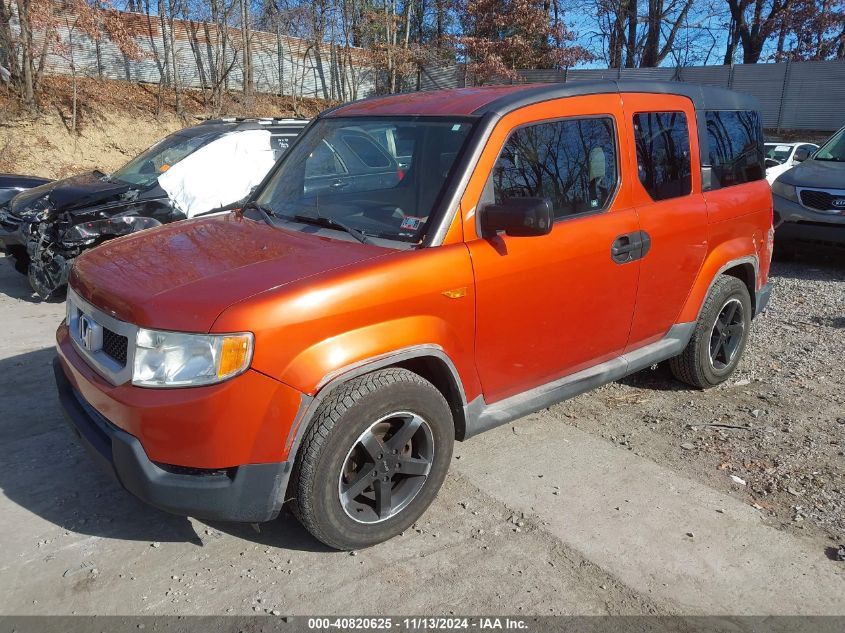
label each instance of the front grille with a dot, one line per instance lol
(106, 343)
(820, 200)
(115, 346)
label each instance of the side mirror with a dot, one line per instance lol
(771, 162)
(518, 217)
(801, 155)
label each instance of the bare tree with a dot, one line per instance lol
(632, 35)
(752, 23)
(663, 22)
(246, 50)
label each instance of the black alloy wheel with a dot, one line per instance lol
(386, 467)
(727, 334)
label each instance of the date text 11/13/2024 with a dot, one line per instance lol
(418, 623)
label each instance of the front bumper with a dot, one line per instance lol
(244, 420)
(794, 222)
(251, 493)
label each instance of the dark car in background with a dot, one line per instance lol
(10, 186)
(351, 160)
(192, 172)
(809, 199)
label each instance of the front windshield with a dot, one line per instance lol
(778, 152)
(380, 176)
(834, 149)
(143, 170)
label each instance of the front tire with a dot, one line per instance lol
(373, 459)
(719, 338)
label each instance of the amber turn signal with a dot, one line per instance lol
(234, 354)
(456, 293)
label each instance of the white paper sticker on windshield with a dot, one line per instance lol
(783, 148)
(410, 222)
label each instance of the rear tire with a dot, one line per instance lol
(719, 338)
(373, 459)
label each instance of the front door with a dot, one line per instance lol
(553, 305)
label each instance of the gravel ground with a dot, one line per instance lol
(775, 433)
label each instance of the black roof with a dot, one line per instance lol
(703, 97)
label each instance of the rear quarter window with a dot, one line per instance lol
(735, 147)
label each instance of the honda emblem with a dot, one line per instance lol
(87, 332)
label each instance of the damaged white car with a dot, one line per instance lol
(195, 171)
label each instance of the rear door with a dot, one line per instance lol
(666, 190)
(553, 305)
(739, 202)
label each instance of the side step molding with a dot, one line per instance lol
(482, 417)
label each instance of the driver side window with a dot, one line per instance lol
(572, 162)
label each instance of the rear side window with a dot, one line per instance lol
(573, 163)
(366, 150)
(323, 161)
(735, 147)
(663, 154)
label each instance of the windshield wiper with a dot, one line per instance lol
(321, 220)
(266, 212)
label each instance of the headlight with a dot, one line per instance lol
(176, 359)
(784, 191)
(87, 232)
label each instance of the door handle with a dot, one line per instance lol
(630, 246)
(625, 244)
(339, 184)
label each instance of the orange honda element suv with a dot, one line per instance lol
(417, 269)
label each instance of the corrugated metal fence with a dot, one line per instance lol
(280, 64)
(794, 96)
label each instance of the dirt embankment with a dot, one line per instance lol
(114, 122)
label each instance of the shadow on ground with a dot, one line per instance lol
(808, 261)
(47, 472)
(658, 379)
(16, 285)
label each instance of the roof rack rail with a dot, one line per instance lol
(268, 120)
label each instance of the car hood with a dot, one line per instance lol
(824, 174)
(181, 276)
(77, 192)
(15, 180)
